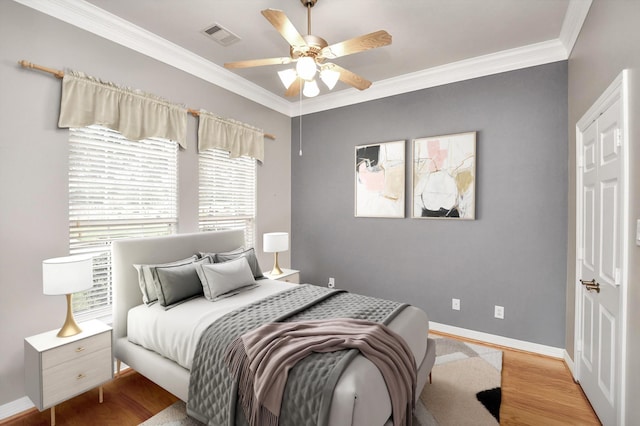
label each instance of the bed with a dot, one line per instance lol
(360, 396)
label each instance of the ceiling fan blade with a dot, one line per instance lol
(258, 62)
(295, 87)
(351, 78)
(279, 20)
(357, 44)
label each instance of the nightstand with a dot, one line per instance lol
(59, 368)
(288, 275)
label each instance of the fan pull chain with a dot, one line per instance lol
(300, 125)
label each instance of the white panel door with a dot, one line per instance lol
(600, 261)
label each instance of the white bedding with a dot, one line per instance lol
(174, 333)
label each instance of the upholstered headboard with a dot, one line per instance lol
(126, 253)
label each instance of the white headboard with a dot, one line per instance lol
(126, 253)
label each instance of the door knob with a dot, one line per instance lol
(591, 285)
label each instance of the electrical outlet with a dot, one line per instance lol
(499, 312)
(332, 283)
(455, 304)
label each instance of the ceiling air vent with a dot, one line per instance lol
(221, 35)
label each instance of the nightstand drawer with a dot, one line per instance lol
(294, 278)
(287, 275)
(75, 350)
(76, 376)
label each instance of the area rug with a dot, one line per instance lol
(465, 390)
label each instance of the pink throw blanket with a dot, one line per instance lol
(260, 361)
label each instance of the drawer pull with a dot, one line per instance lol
(80, 349)
(81, 376)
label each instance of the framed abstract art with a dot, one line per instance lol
(380, 180)
(444, 177)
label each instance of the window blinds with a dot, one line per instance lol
(227, 193)
(117, 189)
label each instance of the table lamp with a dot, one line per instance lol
(67, 275)
(275, 242)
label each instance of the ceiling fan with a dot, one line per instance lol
(310, 53)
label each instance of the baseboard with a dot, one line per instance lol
(570, 364)
(500, 340)
(15, 407)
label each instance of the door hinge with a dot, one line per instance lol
(618, 276)
(580, 253)
(619, 137)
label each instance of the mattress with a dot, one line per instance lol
(174, 333)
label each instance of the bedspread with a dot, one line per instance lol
(307, 397)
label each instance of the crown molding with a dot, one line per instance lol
(573, 20)
(494, 63)
(90, 18)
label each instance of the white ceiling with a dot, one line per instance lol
(434, 41)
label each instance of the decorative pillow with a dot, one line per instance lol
(250, 255)
(221, 280)
(213, 255)
(147, 277)
(177, 284)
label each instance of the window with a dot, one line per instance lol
(227, 193)
(117, 189)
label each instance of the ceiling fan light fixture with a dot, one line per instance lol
(329, 77)
(306, 68)
(311, 89)
(287, 77)
(310, 53)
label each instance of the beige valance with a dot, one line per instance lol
(230, 135)
(136, 115)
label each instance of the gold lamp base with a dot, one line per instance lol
(276, 268)
(70, 328)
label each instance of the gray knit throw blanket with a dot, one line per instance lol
(260, 361)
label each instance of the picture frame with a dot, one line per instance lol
(380, 180)
(444, 177)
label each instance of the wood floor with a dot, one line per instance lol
(128, 400)
(536, 391)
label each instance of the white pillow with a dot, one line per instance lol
(250, 254)
(225, 279)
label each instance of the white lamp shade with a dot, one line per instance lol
(311, 89)
(274, 242)
(287, 77)
(306, 67)
(67, 275)
(329, 77)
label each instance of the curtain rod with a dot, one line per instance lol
(60, 74)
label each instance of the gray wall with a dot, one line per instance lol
(608, 43)
(33, 162)
(513, 254)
